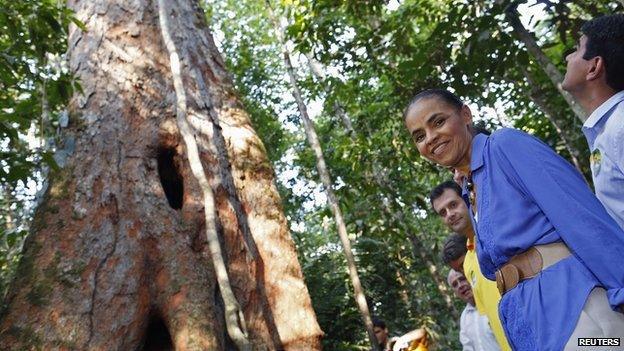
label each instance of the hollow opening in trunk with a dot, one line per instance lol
(170, 177)
(157, 337)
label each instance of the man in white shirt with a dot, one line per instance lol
(595, 77)
(475, 333)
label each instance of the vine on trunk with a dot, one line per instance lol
(234, 318)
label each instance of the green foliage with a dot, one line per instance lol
(32, 42)
(34, 87)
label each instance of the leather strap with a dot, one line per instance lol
(528, 264)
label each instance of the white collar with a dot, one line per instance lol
(470, 307)
(605, 107)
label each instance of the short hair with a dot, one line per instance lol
(443, 94)
(379, 323)
(605, 38)
(450, 273)
(454, 248)
(439, 190)
(479, 128)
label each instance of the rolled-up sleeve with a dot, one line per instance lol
(565, 199)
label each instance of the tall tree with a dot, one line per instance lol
(541, 101)
(324, 174)
(553, 73)
(117, 258)
(380, 179)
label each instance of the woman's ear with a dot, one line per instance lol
(466, 114)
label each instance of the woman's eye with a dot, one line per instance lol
(419, 138)
(438, 122)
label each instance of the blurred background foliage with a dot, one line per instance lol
(35, 86)
(372, 56)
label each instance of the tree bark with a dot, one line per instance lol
(117, 259)
(9, 220)
(234, 318)
(549, 68)
(321, 167)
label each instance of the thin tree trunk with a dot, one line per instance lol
(346, 121)
(45, 113)
(418, 248)
(555, 76)
(117, 258)
(9, 220)
(538, 98)
(397, 217)
(403, 294)
(323, 171)
(420, 252)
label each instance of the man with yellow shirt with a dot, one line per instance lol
(447, 202)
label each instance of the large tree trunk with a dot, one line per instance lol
(118, 258)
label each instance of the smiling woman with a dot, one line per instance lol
(441, 127)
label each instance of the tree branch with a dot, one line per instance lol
(538, 98)
(553, 73)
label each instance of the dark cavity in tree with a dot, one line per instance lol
(170, 177)
(157, 337)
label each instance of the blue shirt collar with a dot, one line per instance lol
(476, 155)
(602, 110)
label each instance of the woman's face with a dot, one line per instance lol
(441, 132)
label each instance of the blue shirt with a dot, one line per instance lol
(604, 130)
(528, 195)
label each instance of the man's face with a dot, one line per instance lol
(381, 334)
(461, 287)
(577, 68)
(453, 211)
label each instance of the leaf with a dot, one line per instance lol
(48, 159)
(78, 23)
(51, 21)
